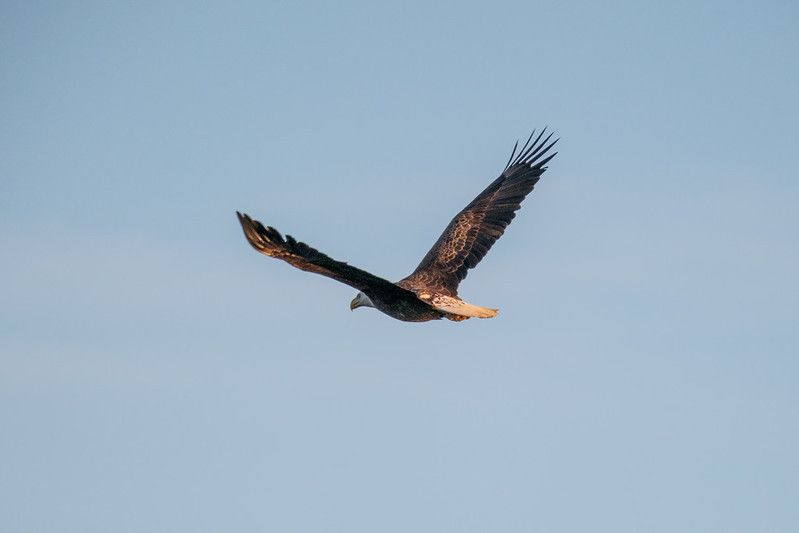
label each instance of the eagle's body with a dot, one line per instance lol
(431, 291)
(406, 307)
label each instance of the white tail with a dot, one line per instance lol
(456, 306)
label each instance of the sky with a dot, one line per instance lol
(158, 375)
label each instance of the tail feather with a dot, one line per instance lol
(456, 306)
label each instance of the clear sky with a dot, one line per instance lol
(156, 374)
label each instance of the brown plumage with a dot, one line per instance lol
(431, 291)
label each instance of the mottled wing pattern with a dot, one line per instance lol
(473, 231)
(268, 241)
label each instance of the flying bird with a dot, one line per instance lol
(431, 291)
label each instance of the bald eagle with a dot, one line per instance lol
(431, 291)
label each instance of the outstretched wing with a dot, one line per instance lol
(268, 241)
(473, 231)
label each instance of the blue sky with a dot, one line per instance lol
(159, 375)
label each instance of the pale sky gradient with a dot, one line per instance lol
(157, 375)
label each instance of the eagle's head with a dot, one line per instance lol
(360, 300)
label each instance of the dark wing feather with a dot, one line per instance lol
(473, 231)
(268, 241)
